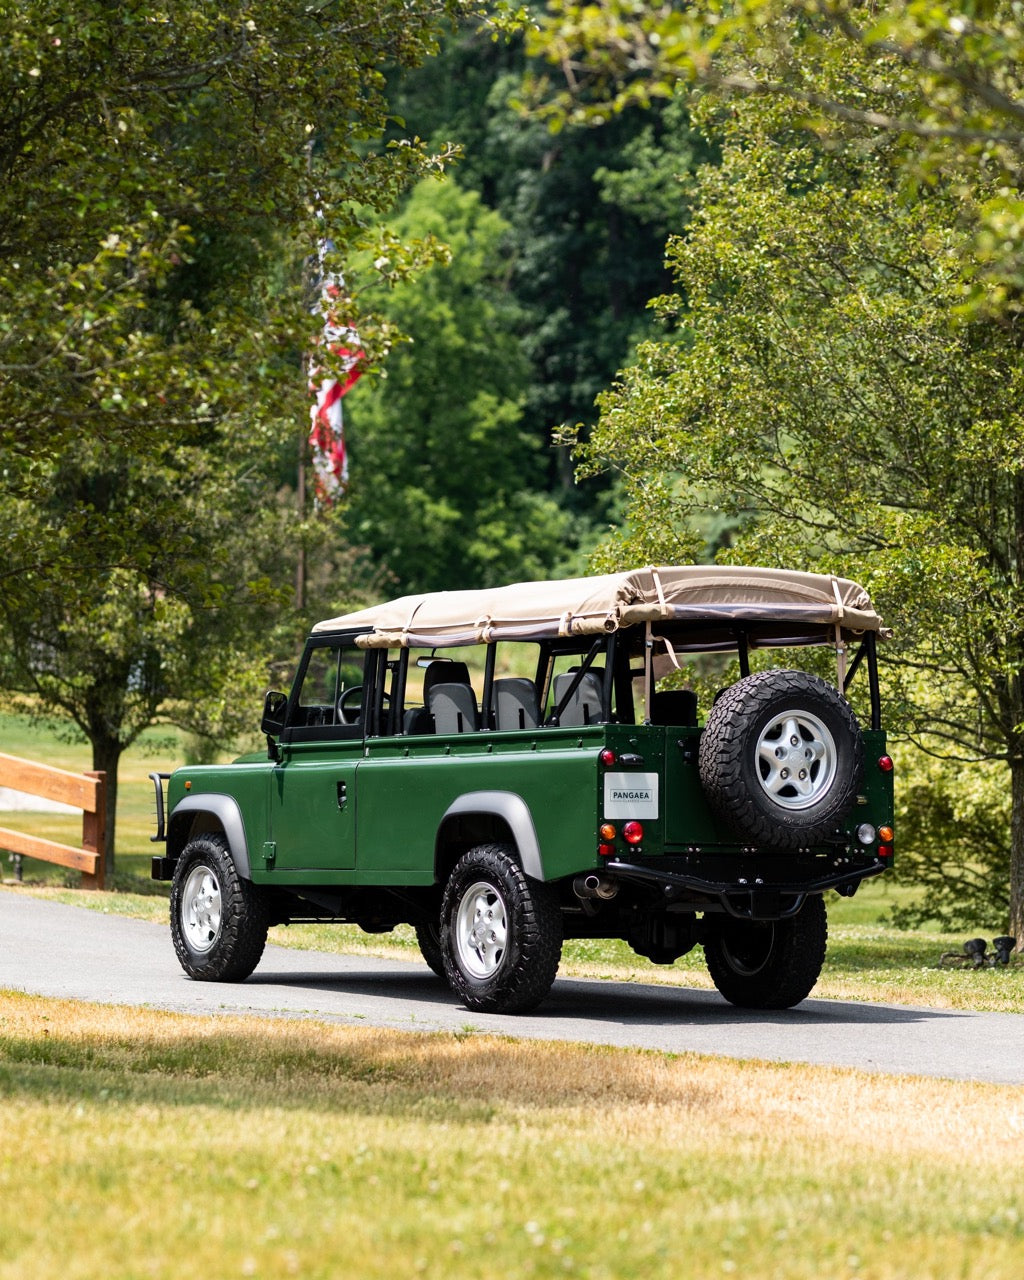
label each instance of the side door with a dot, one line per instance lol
(312, 807)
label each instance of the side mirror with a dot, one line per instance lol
(274, 707)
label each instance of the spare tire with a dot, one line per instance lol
(782, 758)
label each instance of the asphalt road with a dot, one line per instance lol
(50, 949)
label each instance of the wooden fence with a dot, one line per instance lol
(85, 791)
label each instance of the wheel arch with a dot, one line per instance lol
(482, 817)
(209, 813)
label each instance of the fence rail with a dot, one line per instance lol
(85, 791)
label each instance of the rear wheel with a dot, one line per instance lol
(768, 964)
(501, 932)
(219, 921)
(428, 936)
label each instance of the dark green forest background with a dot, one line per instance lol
(558, 243)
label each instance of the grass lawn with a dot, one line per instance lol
(140, 1145)
(144, 1144)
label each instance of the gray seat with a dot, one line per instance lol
(584, 707)
(441, 671)
(438, 672)
(516, 705)
(453, 707)
(450, 697)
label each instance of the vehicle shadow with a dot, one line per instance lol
(594, 1000)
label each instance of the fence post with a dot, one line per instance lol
(94, 832)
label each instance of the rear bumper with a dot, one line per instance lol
(752, 898)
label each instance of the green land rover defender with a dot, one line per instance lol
(507, 768)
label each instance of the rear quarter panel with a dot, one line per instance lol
(405, 787)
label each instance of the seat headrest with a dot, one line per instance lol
(441, 671)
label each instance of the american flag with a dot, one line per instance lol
(327, 434)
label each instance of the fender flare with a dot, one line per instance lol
(227, 813)
(514, 810)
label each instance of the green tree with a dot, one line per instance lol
(187, 639)
(954, 824)
(943, 81)
(931, 96)
(588, 213)
(825, 393)
(445, 477)
(157, 167)
(107, 650)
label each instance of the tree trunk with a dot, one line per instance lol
(1017, 850)
(106, 755)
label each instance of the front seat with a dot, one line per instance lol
(450, 697)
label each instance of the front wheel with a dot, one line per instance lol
(768, 964)
(501, 932)
(219, 921)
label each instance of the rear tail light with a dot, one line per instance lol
(885, 764)
(633, 832)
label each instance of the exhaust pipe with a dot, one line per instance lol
(594, 886)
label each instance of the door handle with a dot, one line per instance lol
(342, 794)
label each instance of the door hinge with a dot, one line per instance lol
(269, 852)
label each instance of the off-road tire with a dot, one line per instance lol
(782, 759)
(501, 932)
(770, 964)
(428, 938)
(219, 920)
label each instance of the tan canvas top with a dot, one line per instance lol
(589, 606)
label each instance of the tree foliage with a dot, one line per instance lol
(954, 824)
(154, 164)
(824, 393)
(446, 477)
(165, 172)
(156, 168)
(942, 80)
(587, 213)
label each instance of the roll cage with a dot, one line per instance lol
(617, 660)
